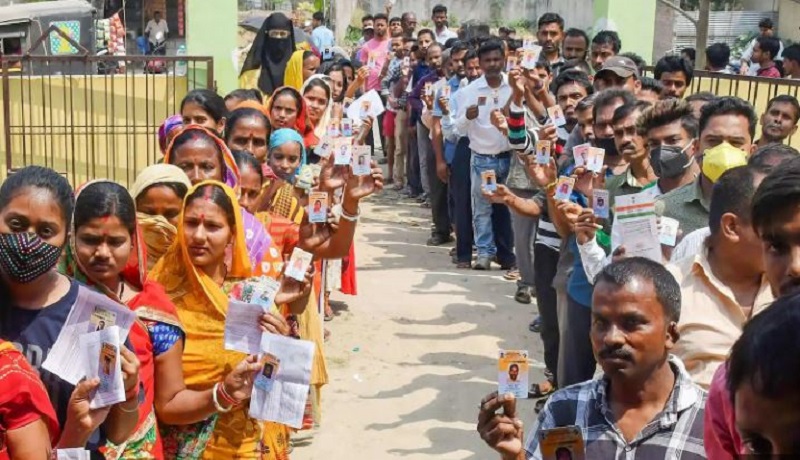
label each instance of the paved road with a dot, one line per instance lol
(414, 352)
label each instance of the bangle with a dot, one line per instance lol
(551, 184)
(128, 411)
(226, 397)
(216, 402)
(350, 218)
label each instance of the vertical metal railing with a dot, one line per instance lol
(91, 116)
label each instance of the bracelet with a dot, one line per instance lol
(350, 218)
(226, 397)
(216, 402)
(128, 411)
(551, 184)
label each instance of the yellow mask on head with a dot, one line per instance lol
(721, 158)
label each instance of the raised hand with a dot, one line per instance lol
(501, 431)
(444, 105)
(499, 121)
(543, 175)
(332, 176)
(358, 187)
(499, 196)
(586, 226)
(292, 290)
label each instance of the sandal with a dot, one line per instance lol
(536, 392)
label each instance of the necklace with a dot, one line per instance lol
(121, 289)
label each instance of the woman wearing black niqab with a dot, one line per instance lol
(272, 48)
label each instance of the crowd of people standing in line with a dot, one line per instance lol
(698, 350)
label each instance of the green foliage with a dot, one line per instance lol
(353, 35)
(741, 43)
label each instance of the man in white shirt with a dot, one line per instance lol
(477, 103)
(766, 29)
(443, 33)
(156, 32)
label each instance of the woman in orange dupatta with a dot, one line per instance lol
(208, 257)
(287, 109)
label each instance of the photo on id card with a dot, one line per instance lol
(107, 366)
(600, 205)
(318, 207)
(364, 109)
(511, 63)
(581, 154)
(101, 319)
(269, 371)
(562, 443)
(298, 264)
(325, 147)
(557, 115)
(564, 188)
(347, 127)
(489, 180)
(362, 157)
(333, 129)
(512, 373)
(594, 163)
(543, 149)
(343, 151)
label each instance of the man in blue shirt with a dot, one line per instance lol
(321, 35)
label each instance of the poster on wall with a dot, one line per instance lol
(58, 44)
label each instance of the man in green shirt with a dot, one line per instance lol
(725, 123)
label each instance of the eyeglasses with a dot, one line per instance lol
(280, 34)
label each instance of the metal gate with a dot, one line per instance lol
(92, 116)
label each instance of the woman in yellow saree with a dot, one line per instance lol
(209, 255)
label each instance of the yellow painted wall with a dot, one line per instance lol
(110, 123)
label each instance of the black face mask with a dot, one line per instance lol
(670, 161)
(607, 144)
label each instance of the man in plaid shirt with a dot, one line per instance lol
(645, 406)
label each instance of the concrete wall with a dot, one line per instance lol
(212, 30)
(633, 19)
(789, 20)
(576, 13)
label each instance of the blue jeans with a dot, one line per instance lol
(491, 222)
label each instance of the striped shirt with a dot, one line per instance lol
(675, 433)
(546, 233)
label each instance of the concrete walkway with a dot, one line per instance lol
(413, 354)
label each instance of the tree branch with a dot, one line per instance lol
(683, 13)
